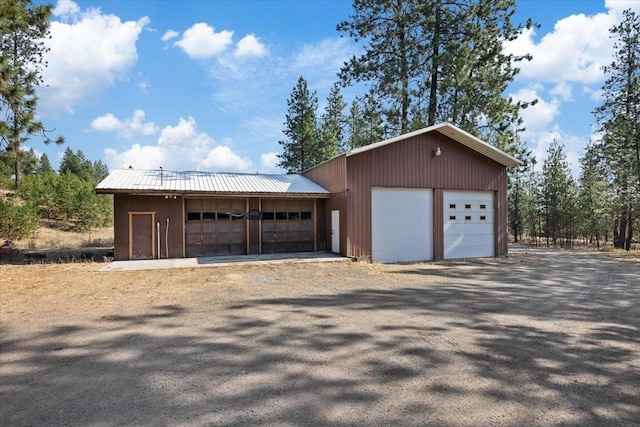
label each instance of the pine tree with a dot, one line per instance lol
(437, 61)
(23, 29)
(302, 148)
(44, 165)
(558, 196)
(364, 123)
(619, 119)
(531, 206)
(594, 196)
(332, 124)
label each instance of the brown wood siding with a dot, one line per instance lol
(332, 175)
(412, 164)
(254, 226)
(321, 224)
(164, 209)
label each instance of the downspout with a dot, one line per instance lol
(166, 239)
(158, 242)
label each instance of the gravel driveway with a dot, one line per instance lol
(544, 338)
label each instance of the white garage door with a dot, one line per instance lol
(468, 224)
(401, 224)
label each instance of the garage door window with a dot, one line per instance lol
(215, 227)
(473, 234)
(288, 216)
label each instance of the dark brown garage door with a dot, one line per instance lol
(215, 227)
(287, 226)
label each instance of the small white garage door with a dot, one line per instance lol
(468, 224)
(401, 224)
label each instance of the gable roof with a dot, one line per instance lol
(457, 135)
(138, 181)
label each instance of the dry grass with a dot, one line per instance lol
(54, 237)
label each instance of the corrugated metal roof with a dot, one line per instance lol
(193, 182)
(456, 134)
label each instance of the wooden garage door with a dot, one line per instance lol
(215, 227)
(287, 226)
(468, 224)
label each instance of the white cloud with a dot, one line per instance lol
(66, 8)
(536, 117)
(562, 90)
(180, 147)
(573, 148)
(223, 159)
(574, 51)
(269, 162)
(618, 6)
(594, 94)
(250, 46)
(89, 51)
(127, 128)
(170, 34)
(201, 41)
(328, 53)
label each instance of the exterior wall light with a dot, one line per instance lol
(438, 152)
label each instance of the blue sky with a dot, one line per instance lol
(203, 85)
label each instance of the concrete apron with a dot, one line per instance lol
(221, 261)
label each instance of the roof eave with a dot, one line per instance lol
(135, 192)
(455, 133)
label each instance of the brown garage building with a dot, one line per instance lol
(160, 214)
(435, 193)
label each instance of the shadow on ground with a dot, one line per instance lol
(541, 340)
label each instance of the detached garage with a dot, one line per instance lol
(168, 214)
(436, 193)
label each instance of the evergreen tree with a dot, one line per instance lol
(44, 165)
(619, 119)
(531, 206)
(78, 165)
(332, 124)
(431, 61)
(17, 220)
(23, 29)
(594, 196)
(364, 124)
(100, 171)
(302, 148)
(558, 196)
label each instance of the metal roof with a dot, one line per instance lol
(456, 134)
(194, 182)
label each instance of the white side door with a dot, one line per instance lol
(335, 231)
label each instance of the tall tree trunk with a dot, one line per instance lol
(435, 54)
(404, 74)
(622, 233)
(629, 239)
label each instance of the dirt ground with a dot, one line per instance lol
(542, 337)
